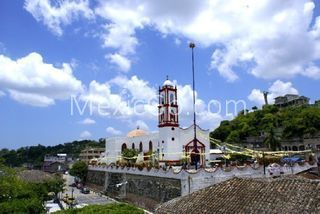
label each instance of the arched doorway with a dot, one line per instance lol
(195, 157)
(133, 146)
(123, 147)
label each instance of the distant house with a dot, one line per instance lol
(291, 100)
(91, 153)
(242, 195)
(56, 158)
(215, 156)
(55, 163)
(55, 167)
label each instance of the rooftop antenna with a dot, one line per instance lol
(192, 46)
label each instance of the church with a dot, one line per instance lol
(171, 143)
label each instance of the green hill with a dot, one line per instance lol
(286, 123)
(35, 154)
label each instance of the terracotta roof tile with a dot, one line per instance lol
(239, 195)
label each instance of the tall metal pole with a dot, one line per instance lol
(192, 46)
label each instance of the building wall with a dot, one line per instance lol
(90, 153)
(190, 181)
(168, 141)
(114, 145)
(144, 191)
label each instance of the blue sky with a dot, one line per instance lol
(115, 53)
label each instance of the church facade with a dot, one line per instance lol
(171, 143)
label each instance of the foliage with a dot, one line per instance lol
(239, 157)
(18, 196)
(129, 153)
(289, 123)
(35, 154)
(79, 169)
(115, 208)
(272, 140)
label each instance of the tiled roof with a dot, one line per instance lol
(35, 176)
(242, 195)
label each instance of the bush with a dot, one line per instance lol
(115, 208)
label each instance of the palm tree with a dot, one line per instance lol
(272, 140)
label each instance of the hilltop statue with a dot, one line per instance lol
(265, 95)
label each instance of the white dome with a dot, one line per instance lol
(168, 82)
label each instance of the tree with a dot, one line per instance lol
(18, 196)
(114, 208)
(272, 141)
(130, 153)
(80, 170)
(254, 108)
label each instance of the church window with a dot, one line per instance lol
(150, 146)
(133, 146)
(171, 99)
(172, 128)
(123, 147)
(172, 139)
(140, 147)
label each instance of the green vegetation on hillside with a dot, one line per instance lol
(285, 123)
(35, 154)
(19, 196)
(115, 208)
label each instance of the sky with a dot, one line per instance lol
(80, 69)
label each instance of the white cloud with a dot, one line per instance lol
(278, 88)
(139, 123)
(121, 62)
(2, 94)
(31, 99)
(31, 81)
(133, 99)
(312, 72)
(87, 121)
(85, 134)
(113, 131)
(256, 96)
(105, 102)
(54, 16)
(138, 88)
(177, 41)
(261, 37)
(2, 48)
(205, 117)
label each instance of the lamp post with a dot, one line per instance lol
(72, 190)
(195, 149)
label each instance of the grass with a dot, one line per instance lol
(114, 208)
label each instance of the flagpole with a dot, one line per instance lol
(192, 46)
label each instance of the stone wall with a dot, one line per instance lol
(145, 191)
(96, 180)
(149, 187)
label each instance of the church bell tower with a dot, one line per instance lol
(168, 106)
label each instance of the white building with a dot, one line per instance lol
(171, 143)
